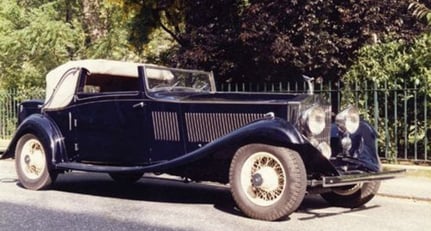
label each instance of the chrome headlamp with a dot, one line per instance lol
(314, 120)
(348, 120)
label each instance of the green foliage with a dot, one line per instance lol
(33, 42)
(273, 40)
(403, 70)
(164, 18)
(36, 36)
(398, 63)
(114, 43)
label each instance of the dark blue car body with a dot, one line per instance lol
(132, 127)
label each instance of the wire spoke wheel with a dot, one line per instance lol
(263, 178)
(267, 182)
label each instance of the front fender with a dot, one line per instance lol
(274, 131)
(363, 150)
(45, 130)
(364, 146)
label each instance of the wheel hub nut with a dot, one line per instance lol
(27, 159)
(256, 180)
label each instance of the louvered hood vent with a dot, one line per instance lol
(206, 127)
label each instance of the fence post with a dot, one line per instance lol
(396, 122)
(387, 136)
(426, 125)
(376, 113)
(416, 122)
(406, 141)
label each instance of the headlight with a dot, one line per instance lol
(314, 120)
(348, 120)
(325, 149)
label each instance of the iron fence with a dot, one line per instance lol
(9, 102)
(401, 116)
(8, 113)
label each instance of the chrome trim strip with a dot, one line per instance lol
(70, 121)
(336, 181)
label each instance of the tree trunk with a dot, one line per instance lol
(94, 26)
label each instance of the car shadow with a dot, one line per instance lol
(174, 190)
(315, 207)
(149, 188)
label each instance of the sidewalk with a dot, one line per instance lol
(3, 144)
(416, 184)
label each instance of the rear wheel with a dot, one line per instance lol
(267, 182)
(31, 163)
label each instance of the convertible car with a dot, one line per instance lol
(127, 119)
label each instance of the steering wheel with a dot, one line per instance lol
(200, 86)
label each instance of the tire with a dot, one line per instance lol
(352, 196)
(31, 162)
(267, 182)
(126, 178)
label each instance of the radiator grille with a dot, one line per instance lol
(165, 126)
(206, 127)
(326, 134)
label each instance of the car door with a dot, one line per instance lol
(109, 124)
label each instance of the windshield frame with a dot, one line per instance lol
(165, 79)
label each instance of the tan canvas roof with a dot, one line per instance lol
(101, 66)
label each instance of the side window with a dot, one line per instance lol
(101, 83)
(64, 91)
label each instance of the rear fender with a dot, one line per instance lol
(28, 108)
(46, 131)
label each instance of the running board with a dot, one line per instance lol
(337, 181)
(99, 168)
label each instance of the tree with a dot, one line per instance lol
(318, 38)
(274, 39)
(36, 36)
(155, 26)
(32, 41)
(403, 69)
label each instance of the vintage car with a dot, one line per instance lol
(127, 119)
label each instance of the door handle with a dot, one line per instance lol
(141, 105)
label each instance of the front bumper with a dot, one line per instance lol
(355, 178)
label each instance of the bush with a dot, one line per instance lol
(403, 70)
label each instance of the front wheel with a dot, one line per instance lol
(31, 163)
(352, 196)
(267, 182)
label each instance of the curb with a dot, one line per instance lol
(412, 170)
(414, 198)
(415, 185)
(3, 145)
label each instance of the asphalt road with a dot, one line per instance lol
(88, 201)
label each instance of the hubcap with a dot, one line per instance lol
(32, 159)
(263, 178)
(348, 191)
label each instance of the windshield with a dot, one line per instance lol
(167, 79)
